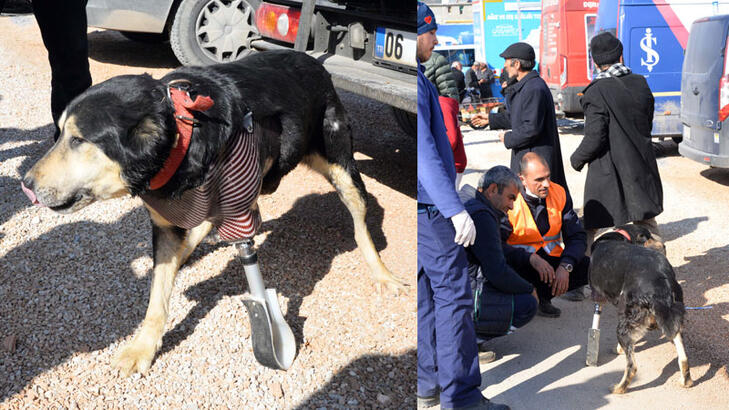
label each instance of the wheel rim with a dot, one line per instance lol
(224, 28)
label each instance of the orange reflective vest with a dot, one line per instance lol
(526, 234)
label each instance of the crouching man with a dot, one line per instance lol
(503, 299)
(545, 242)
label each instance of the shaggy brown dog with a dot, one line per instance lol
(628, 269)
(118, 135)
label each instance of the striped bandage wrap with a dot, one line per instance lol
(227, 198)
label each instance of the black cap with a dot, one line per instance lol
(519, 50)
(606, 48)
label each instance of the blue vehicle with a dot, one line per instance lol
(654, 35)
(704, 109)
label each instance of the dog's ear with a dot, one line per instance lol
(147, 128)
(642, 235)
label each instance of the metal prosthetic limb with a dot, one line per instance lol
(593, 337)
(273, 341)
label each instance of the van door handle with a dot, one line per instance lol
(695, 90)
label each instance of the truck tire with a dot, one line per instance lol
(407, 121)
(196, 39)
(149, 38)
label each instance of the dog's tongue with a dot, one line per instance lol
(30, 194)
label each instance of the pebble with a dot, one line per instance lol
(382, 398)
(9, 343)
(276, 391)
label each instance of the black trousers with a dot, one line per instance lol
(578, 276)
(63, 29)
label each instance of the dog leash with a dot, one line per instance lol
(698, 307)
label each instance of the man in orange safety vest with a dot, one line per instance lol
(545, 242)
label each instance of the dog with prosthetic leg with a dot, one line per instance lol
(199, 146)
(629, 268)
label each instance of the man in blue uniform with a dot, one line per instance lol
(447, 351)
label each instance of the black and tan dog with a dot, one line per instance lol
(119, 135)
(629, 268)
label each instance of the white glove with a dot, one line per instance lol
(465, 229)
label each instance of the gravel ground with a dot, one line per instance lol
(74, 288)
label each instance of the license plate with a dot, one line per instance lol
(686, 132)
(395, 46)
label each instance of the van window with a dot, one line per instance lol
(703, 50)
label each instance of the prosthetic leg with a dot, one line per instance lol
(273, 341)
(593, 337)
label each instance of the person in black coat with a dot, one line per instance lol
(472, 76)
(530, 114)
(460, 79)
(623, 184)
(502, 297)
(485, 78)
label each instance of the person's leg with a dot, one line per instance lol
(525, 307)
(446, 267)
(63, 29)
(652, 227)
(544, 290)
(590, 240)
(427, 365)
(532, 276)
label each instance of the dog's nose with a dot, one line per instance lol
(27, 186)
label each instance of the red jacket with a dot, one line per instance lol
(449, 106)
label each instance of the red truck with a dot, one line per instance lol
(564, 62)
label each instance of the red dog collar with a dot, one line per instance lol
(625, 234)
(185, 121)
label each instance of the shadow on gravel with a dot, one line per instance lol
(370, 387)
(718, 175)
(108, 46)
(66, 292)
(707, 329)
(392, 155)
(676, 229)
(73, 290)
(39, 139)
(590, 394)
(316, 238)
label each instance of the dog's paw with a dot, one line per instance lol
(134, 358)
(687, 383)
(393, 285)
(385, 279)
(619, 389)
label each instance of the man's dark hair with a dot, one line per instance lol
(524, 65)
(501, 176)
(529, 157)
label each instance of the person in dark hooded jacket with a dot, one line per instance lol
(503, 299)
(623, 184)
(531, 114)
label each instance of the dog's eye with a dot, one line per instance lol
(76, 141)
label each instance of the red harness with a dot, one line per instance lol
(185, 122)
